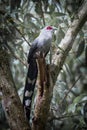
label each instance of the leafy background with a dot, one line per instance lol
(20, 23)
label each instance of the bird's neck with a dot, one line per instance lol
(46, 35)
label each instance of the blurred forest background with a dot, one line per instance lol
(20, 23)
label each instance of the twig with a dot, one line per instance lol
(24, 63)
(61, 117)
(42, 13)
(22, 35)
(10, 19)
(70, 89)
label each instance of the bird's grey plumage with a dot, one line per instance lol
(42, 43)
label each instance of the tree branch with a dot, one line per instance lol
(67, 42)
(62, 117)
(10, 99)
(70, 89)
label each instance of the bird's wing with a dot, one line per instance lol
(32, 50)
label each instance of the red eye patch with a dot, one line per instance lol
(49, 28)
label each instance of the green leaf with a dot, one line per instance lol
(72, 108)
(86, 55)
(79, 98)
(58, 14)
(51, 8)
(68, 69)
(59, 35)
(80, 48)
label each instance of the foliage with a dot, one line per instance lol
(20, 23)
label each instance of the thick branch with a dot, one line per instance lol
(66, 44)
(43, 97)
(11, 102)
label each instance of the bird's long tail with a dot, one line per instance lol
(29, 87)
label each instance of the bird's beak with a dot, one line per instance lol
(54, 28)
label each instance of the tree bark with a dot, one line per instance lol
(44, 96)
(10, 99)
(43, 100)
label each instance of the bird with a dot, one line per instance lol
(41, 45)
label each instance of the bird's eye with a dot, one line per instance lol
(49, 28)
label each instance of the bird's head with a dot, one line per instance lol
(48, 30)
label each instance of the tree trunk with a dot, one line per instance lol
(45, 91)
(10, 99)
